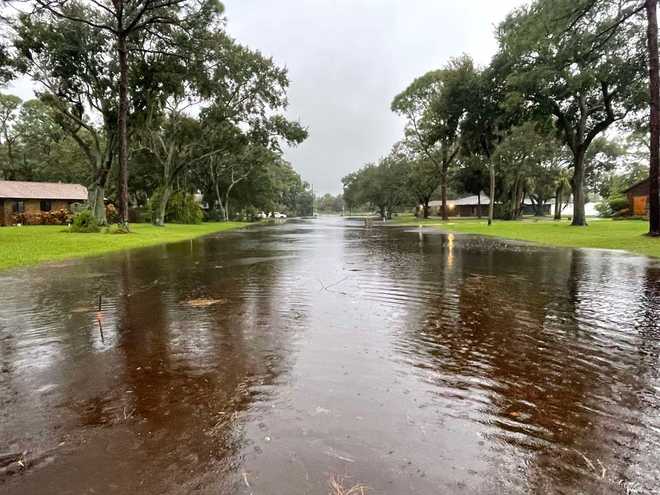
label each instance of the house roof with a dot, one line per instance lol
(468, 200)
(641, 182)
(42, 190)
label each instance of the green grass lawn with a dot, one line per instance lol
(600, 233)
(29, 245)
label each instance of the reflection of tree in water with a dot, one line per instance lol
(163, 400)
(537, 357)
(190, 374)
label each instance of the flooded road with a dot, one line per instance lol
(275, 359)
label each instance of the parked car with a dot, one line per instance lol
(277, 214)
(262, 215)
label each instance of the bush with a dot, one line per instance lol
(85, 223)
(214, 215)
(618, 203)
(55, 217)
(181, 208)
(613, 206)
(139, 215)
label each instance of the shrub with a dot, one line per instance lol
(250, 214)
(613, 206)
(618, 203)
(85, 223)
(214, 215)
(181, 208)
(184, 209)
(55, 217)
(139, 215)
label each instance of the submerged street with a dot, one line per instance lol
(277, 358)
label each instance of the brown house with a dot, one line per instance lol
(638, 198)
(34, 197)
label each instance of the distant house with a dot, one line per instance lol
(638, 198)
(34, 197)
(469, 206)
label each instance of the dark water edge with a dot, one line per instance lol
(269, 361)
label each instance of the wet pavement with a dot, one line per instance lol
(274, 359)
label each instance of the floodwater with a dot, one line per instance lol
(275, 359)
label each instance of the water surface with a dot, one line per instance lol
(271, 360)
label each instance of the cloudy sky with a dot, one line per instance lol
(348, 58)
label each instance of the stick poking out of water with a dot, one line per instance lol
(100, 329)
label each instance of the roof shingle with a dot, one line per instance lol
(42, 190)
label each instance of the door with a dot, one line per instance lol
(639, 206)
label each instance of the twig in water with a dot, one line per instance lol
(245, 480)
(590, 464)
(100, 329)
(336, 488)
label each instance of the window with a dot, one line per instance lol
(19, 206)
(46, 205)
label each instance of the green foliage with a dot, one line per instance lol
(613, 206)
(382, 186)
(330, 204)
(84, 222)
(526, 161)
(181, 208)
(242, 98)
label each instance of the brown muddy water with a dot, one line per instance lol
(274, 359)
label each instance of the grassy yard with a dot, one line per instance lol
(29, 245)
(601, 233)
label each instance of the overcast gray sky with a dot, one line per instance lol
(348, 58)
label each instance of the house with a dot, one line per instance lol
(638, 198)
(469, 206)
(34, 197)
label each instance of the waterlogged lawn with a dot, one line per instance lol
(29, 245)
(628, 235)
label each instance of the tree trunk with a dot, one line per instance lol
(123, 129)
(513, 202)
(426, 208)
(577, 186)
(162, 206)
(491, 206)
(220, 203)
(443, 189)
(539, 207)
(479, 204)
(95, 196)
(226, 208)
(654, 89)
(381, 211)
(96, 193)
(558, 194)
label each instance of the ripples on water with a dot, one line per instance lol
(410, 361)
